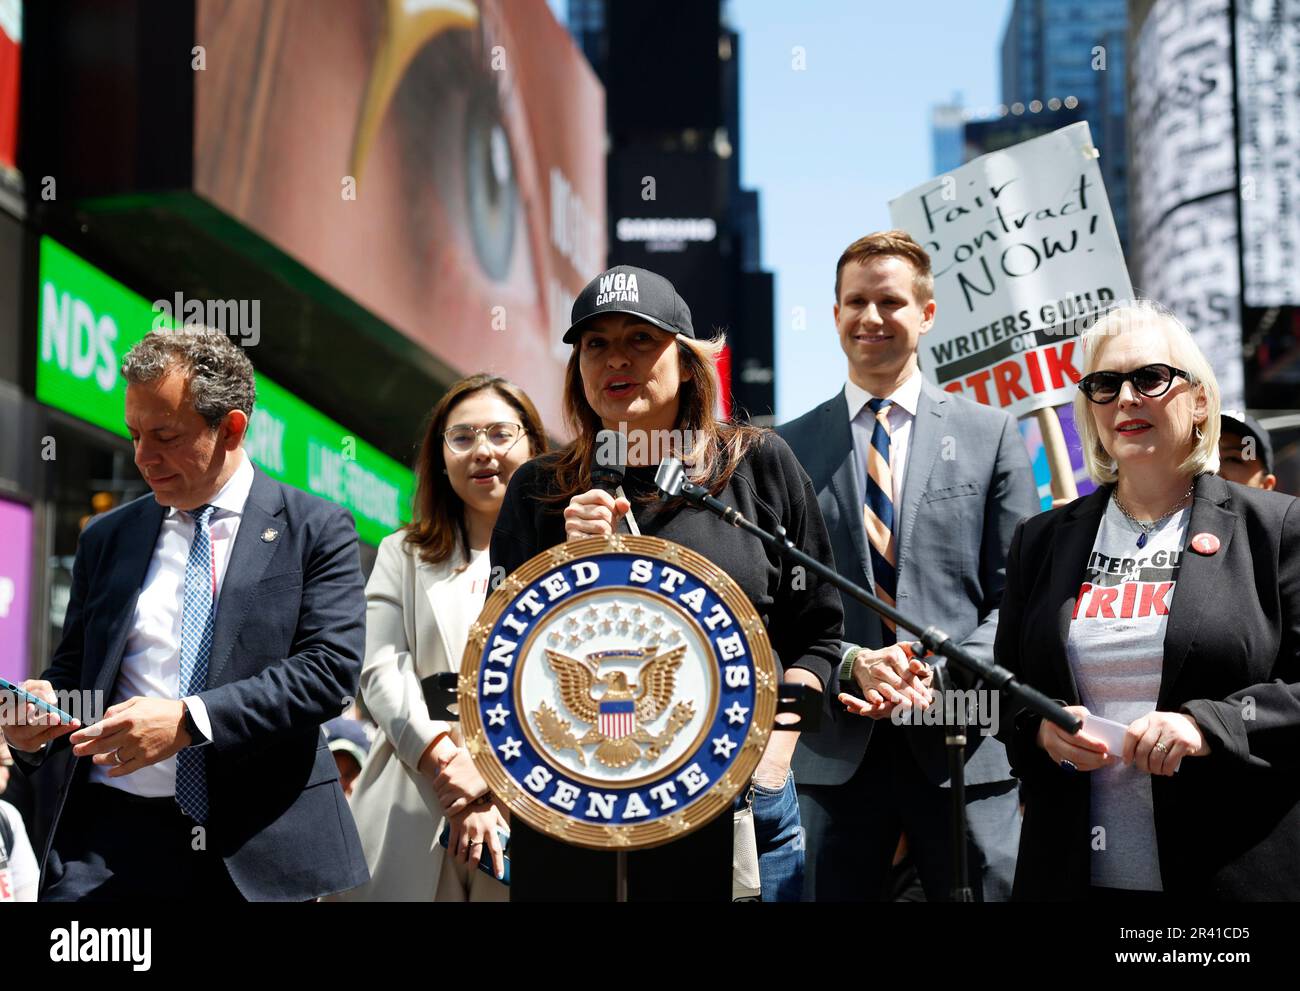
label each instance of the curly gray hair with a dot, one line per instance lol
(220, 376)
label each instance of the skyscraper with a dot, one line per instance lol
(676, 206)
(947, 124)
(1053, 49)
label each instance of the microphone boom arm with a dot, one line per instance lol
(672, 481)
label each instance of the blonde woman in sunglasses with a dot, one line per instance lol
(1163, 610)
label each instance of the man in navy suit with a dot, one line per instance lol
(921, 491)
(222, 622)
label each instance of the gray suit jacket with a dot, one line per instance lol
(968, 483)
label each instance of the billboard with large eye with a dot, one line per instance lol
(440, 161)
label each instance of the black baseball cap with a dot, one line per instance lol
(1239, 422)
(628, 289)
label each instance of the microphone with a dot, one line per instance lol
(609, 461)
(672, 482)
(609, 466)
(670, 479)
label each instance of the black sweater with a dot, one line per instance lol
(802, 614)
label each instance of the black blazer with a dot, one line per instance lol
(1228, 824)
(286, 656)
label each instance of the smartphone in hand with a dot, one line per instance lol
(485, 861)
(25, 696)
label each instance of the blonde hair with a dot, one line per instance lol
(1127, 317)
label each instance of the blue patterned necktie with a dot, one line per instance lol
(878, 513)
(197, 619)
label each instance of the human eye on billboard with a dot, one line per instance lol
(458, 168)
(432, 161)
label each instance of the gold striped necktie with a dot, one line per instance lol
(878, 513)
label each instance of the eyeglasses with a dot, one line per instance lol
(501, 437)
(1152, 381)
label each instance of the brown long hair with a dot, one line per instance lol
(720, 445)
(437, 526)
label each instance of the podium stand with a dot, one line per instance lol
(696, 868)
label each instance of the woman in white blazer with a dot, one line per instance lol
(428, 586)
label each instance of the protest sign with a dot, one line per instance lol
(1024, 250)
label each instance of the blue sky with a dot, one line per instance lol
(830, 145)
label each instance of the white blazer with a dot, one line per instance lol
(415, 627)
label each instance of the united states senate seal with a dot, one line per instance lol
(617, 692)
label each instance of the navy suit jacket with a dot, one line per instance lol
(286, 656)
(968, 483)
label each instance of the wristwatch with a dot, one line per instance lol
(846, 665)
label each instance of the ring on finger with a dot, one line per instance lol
(1162, 747)
(117, 758)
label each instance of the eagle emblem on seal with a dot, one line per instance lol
(617, 715)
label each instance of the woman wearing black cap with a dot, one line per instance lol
(638, 368)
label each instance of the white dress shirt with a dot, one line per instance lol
(151, 663)
(901, 414)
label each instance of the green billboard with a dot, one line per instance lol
(88, 321)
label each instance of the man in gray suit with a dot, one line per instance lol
(921, 490)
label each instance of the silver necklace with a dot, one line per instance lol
(1147, 528)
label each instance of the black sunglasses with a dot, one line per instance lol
(1150, 380)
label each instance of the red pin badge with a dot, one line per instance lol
(1205, 543)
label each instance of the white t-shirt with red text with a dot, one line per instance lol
(1116, 650)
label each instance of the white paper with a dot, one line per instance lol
(1108, 731)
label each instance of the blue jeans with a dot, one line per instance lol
(780, 841)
